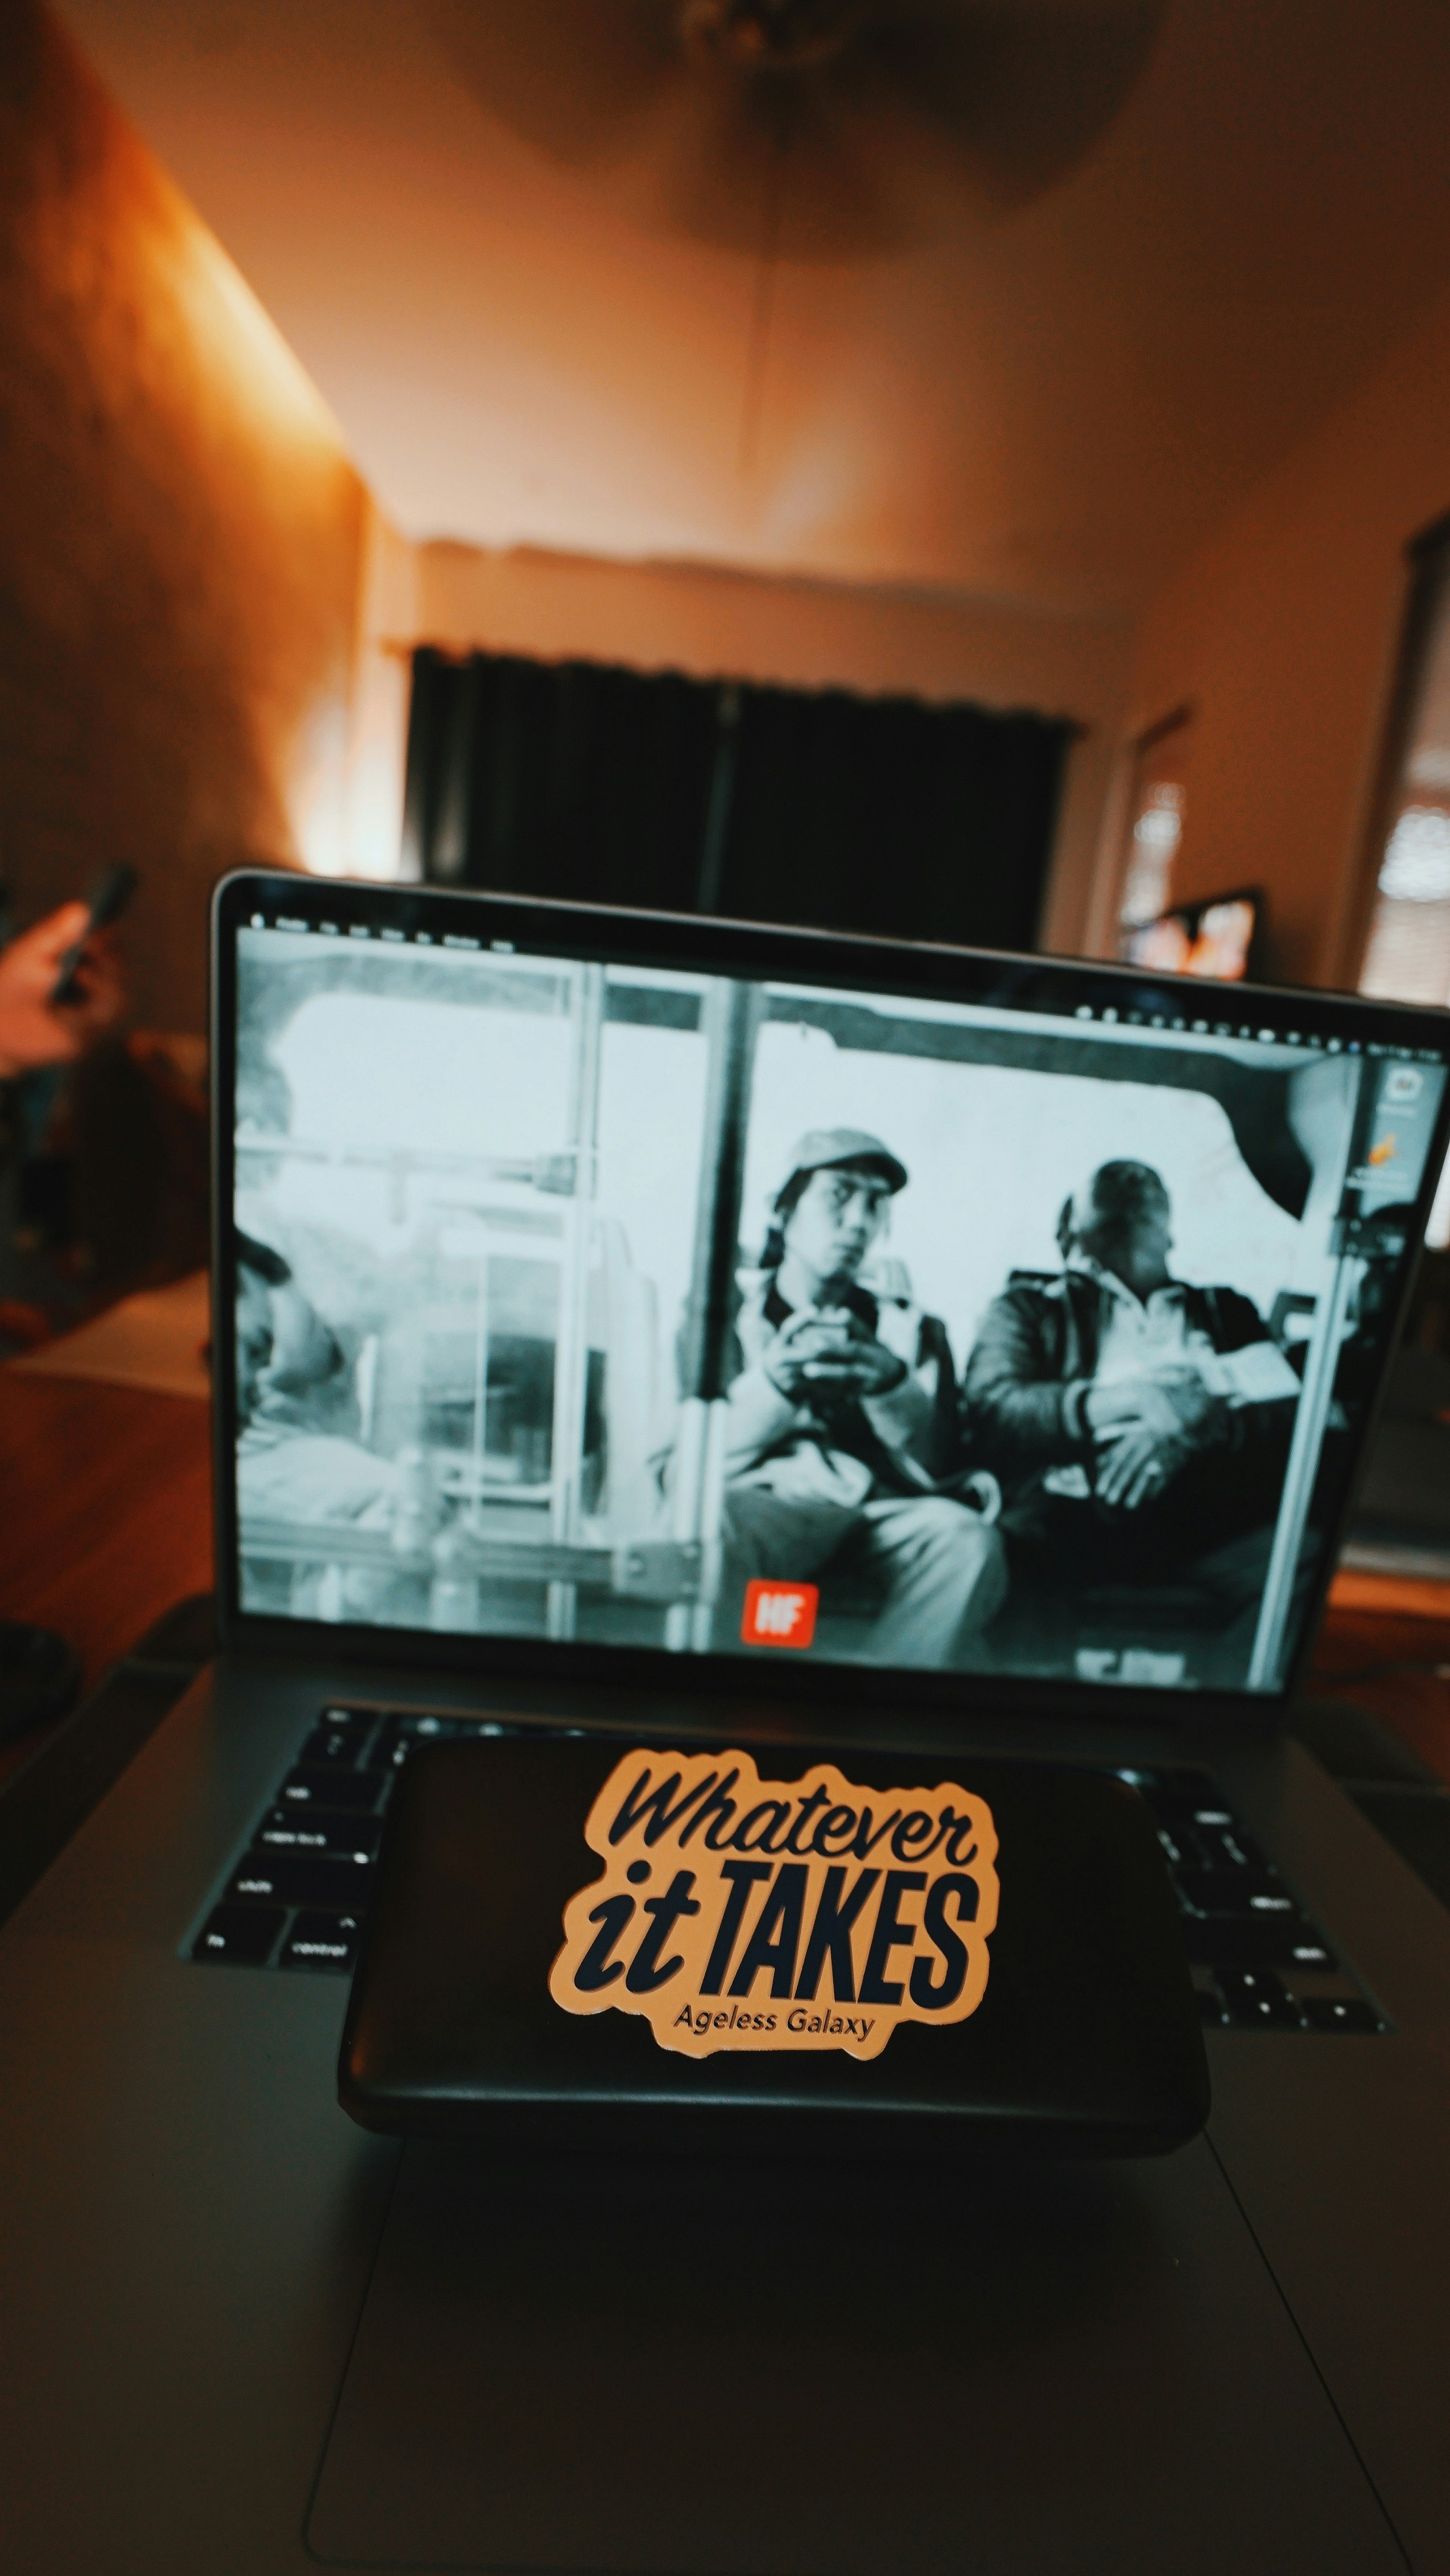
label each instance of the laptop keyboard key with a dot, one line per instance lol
(322, 1941)
(316, 1784)
(1254, 1941)
(1340, 2012)
(1180, 1848)
(1257, 2000)
(1234, 1891)
(239, 1936)
(407, 1728)
(302, 1878)
(334, 1746)
(304, 1829)
(1230, 1844)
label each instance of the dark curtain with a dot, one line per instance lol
(850, 813)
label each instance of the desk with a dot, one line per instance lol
(107, 1514)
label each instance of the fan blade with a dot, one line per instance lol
(752, 167)
(1016, 92)
(933, 107)
(573, 77)
(946, 108)
(682, 143)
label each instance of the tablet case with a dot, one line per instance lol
(612, 1945)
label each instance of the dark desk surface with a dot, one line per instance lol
(107, 1519)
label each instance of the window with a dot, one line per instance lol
(1407, 948)
(1154, 827)
(590, 781)
(1407, 945)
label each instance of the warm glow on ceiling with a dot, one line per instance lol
(1044, 400)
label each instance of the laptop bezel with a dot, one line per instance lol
(764, 952)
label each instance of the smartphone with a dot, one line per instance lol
(105, 903)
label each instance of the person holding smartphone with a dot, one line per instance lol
(38, 1030)
(39, 1671)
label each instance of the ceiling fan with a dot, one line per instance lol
(825, 130)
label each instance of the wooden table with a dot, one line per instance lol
(107, 1523)
(106, 1512)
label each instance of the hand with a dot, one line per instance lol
(1203, 1417)
(1137, 1467)
(1140, 1403)
(34, 1030)
(826, 1349)
(803, 1339)
(1173, 1404)
(863, 1368)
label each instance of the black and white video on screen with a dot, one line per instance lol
(647, 1308)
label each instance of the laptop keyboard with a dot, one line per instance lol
(1259, 1960)
(297, 1897)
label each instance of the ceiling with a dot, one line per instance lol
(1045, 405)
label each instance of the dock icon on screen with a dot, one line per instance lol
(779, 1614)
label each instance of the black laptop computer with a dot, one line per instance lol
(683, 1333)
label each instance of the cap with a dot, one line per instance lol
(824, 1147)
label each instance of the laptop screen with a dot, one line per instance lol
(656, 1286)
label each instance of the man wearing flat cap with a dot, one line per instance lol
(842, 1418)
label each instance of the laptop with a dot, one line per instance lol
(683, 1333)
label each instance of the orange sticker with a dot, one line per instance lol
(740, 1913)
(779, 1614)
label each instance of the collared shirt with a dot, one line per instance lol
(1145, 1336)
(1137, 1337)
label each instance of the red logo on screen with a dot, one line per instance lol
(779, 1614)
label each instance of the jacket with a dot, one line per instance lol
(838, 1449)
(1036, 1356)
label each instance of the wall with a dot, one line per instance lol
(806, 634)
(190, 570)
(1282, 634)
